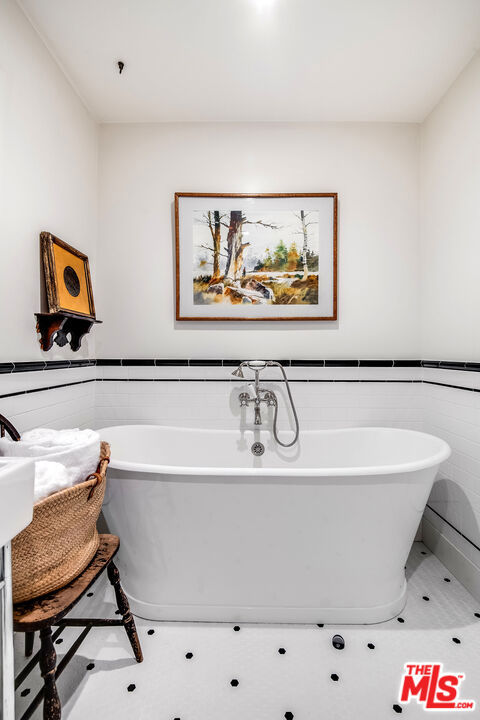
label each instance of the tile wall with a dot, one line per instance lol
(438, 397)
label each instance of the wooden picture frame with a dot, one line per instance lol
(67, 278)
(232, 289)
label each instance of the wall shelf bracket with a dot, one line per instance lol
(63, 329)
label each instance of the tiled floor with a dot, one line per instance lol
(271, 672)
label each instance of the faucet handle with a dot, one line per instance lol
(270, 398)
(244, 398)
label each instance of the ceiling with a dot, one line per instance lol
(259, 60)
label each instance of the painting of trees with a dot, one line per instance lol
(213, 219)
(248, 250)
(235, 244)
(245, 269)
(305, 223)
(292, 257)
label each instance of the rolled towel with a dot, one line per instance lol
(77, 450)
(45, 441)
(50, 477)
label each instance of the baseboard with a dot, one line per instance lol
(266, 615)
(449, 553)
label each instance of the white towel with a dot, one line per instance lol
(77, 450)
(50, 477)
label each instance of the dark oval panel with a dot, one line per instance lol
(72, 283)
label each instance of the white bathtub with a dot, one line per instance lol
(315, 533)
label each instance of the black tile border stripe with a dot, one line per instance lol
(375, 363)
(307, 363)
(337, 381)
(39, 365)
(453, 527)
(108, 363)
(341, 363)
(472, 367)
(57, 364)
(272, 380)
(234, 380)
(28, 366)
(447, 385)
(49, 387)
(35, 366)
(173, 363)
(139, 363)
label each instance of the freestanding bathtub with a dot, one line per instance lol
(315, 533)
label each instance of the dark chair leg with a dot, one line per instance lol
(29, 640)
(48, 660)
(124, 607)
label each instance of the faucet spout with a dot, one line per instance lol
(258, 416)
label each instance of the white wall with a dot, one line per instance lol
(391, 305)
(48, 178)
(454, 415)
(373, 167)
(450, 222)
(450, 307)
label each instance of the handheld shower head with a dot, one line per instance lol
(238, 373)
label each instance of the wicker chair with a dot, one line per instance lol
(51, 610)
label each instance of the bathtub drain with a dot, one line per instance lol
(258, 448)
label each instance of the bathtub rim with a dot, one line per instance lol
(442, 454)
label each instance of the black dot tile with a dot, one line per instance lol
(447, 579)
(477, 614)
(456, 640)
(289, 715)
(400, 620)
(334, 677)
(338, 642)
(90, 594)
(59, 641)
(426, 598)
(150, 632)
(320, 624)
(189, 655)
(25, 692)
(131, 687)
(234, 682)
(90, 666)
(397, 709)
(236, 628)
(282, 651)
(371, 646)
(422, 553)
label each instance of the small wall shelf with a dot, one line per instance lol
(55, 327)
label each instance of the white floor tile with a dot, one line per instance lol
(169, 685)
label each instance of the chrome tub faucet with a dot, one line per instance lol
(259, 395)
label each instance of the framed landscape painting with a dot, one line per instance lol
(256, 257)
